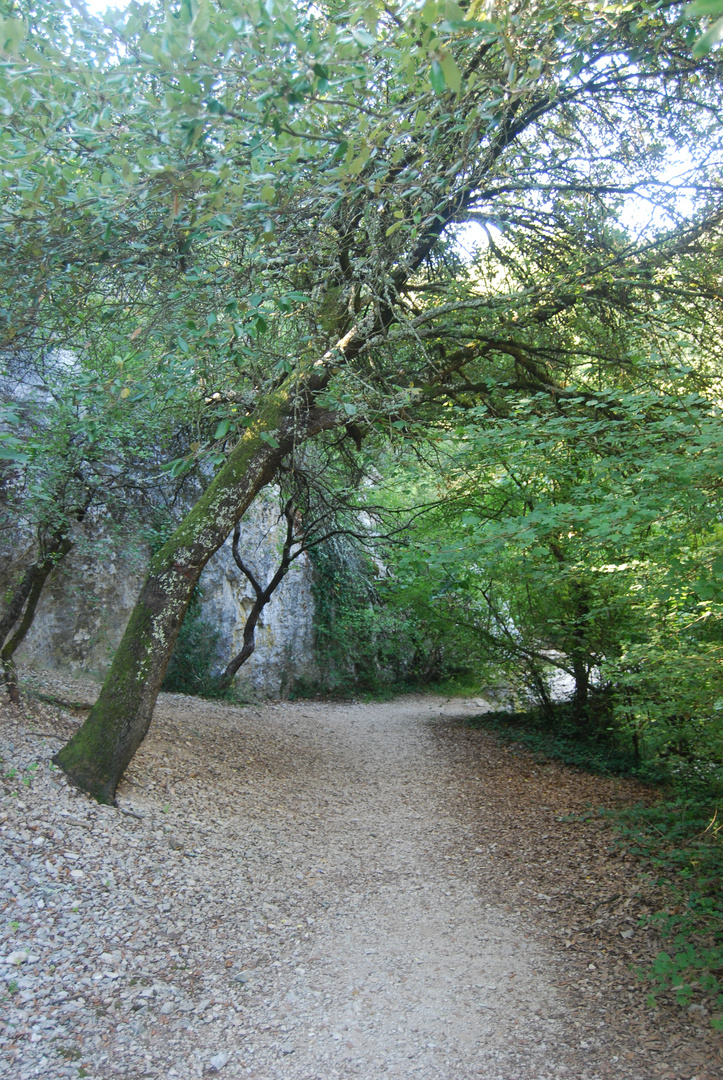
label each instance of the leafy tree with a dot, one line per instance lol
(713, 32)
(262, 194)
(586, 540)
(77, 448)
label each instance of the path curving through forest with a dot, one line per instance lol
(306, 891)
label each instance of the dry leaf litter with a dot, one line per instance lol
(311, 891)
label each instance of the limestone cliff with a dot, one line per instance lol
(88, 600)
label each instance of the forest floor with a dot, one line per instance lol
(313, 891)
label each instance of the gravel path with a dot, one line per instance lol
(293, 892)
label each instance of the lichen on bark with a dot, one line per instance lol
(99, 753)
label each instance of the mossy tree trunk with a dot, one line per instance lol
(98, 754)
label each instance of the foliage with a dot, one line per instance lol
(194, 663)
(585, 542)
(679, 837)
(226, 192)
(363, 642)
(351, 640)
(557, 736)
(714, 32)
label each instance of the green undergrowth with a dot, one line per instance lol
(384, 691)
(192, 668)
(559, 739)
(679, 836)
(318, 690)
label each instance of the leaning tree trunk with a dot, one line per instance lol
(56, 549)
(41, 571)
(98, 754)
(229, 673)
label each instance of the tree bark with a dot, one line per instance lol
(582, 689)
(28, 593)
(98, 754)
(42, 573)
(49, 556)
(580, 656)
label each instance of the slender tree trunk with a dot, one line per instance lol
(43, 572)
(249, 644)
(263, 596)
(540, 686)
(17, 602)
(580, 657)
(28, 592)
(98, 754)
(50, 555)
(582, 688)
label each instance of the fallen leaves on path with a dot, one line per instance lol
(546, 853)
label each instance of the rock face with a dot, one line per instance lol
(285, 632)
(88, 601)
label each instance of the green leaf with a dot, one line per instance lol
(429, 12)
(359, 162)
(12, 33)
(222, 429)
(7, 453)
(363, 38)
(704, 44)
(452, 74)
(436, 77)
(267, 437)
(705, 7)
(453, 12)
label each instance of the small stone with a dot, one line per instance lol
(175, 843)
(242, 978)
(627, 934)
(17, 957)
(697, 1012)
(167, 1007)
(287, 1048)
(218, 1061)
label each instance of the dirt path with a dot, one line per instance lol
(307, 891)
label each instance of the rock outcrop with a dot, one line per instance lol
(88, 601)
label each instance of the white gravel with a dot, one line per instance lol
(297, 898)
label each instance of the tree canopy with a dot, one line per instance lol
(258, 208)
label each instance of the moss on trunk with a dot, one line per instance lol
(99, 753)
